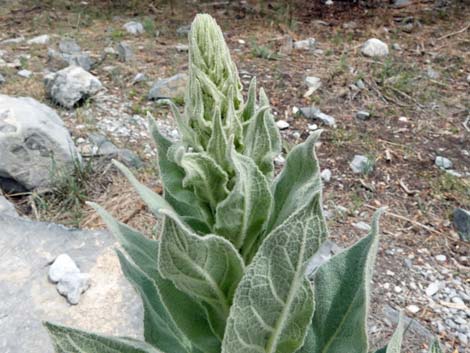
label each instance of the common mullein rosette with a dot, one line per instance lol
(228, 272)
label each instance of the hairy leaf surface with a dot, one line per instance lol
(207, 178)
(207, 268)
(67, 340)
(274, 302)
(299, 177)
(342, 297)
(241, 217)
(186, 315)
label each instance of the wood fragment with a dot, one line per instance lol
(405, 188)
(454, 33)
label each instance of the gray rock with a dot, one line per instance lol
(362, 226)
(362, 115)
(399, 4)
(397, 47)
(7, 208)
(433, 288)
(317, 114)
(361, 164)
(313, 82)
(62, 265)
(182, 48)
(129, 158)
(71, 85)
(306, 44)
(360, 84)
(24, 73)
(140, 77)
(134, 27)
(183, 31)
(441, 258)
(125, 52)
(32, 138)
(69, 46)
(2, 79)
(468, 78)
(57, 60)
(326, 175)
(173, 87)
(374, 48)
(72, 285)
(110, 306)
(39, 40)
(443, 162)
(461, 220)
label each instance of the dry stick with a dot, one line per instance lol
(454, 33)
(429, 229)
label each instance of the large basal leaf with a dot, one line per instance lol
(184, 312)
(274, 302)
(159, 329)
(207, 268)
(299, 177)
(188, 206)
(206, 177)
(342, 297)
(241, 217)
(67, 340)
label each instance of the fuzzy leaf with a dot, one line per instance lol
(67, 340)
(250, 105)
(394, 346)
(188, 206)
(188, 135)
(184, 312)
(299, 177)
(218, 145)
(342, 296)
(241, 217)
(275, 136)
(274, 302)
(207, 178)
(207, 268)
(258, 142)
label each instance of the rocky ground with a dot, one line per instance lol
(395, 114)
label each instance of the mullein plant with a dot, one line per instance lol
(228, 272)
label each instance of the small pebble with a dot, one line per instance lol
(282, 124)
(441, 258)
(412, 309)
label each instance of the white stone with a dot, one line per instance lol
(313, 83)
(279, 160)
(24, 73)
(361, 164)
(412, 308)
(62, 265)
(326, 175)
(468, 78)
(134, 27)
(374, 48)
(362, 226)
(182, 48)
(40, 40)
(31, 136)
(397, 289)
(282, 124)
(433, 288)
(16, 40)
(441, 258)
(306, 44)
(443, 162)
(72, 285)
(71, 85)
(312, 127)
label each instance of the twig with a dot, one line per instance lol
(454, 33)
(406, 96)
(465, 123)
(429, 229)
(405, 188)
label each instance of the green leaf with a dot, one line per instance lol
(342, 295)
(206, 177)
(258, 142)
(187, 314)
(159, 329)
(299, 177)
(241, 217)
(207, 268)
(188, 135)
(68, 340)
(274, 302)
(435, 347)
(275, 136)
(394, 346)
(218, 145)
(186, 204)
(250, 105)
